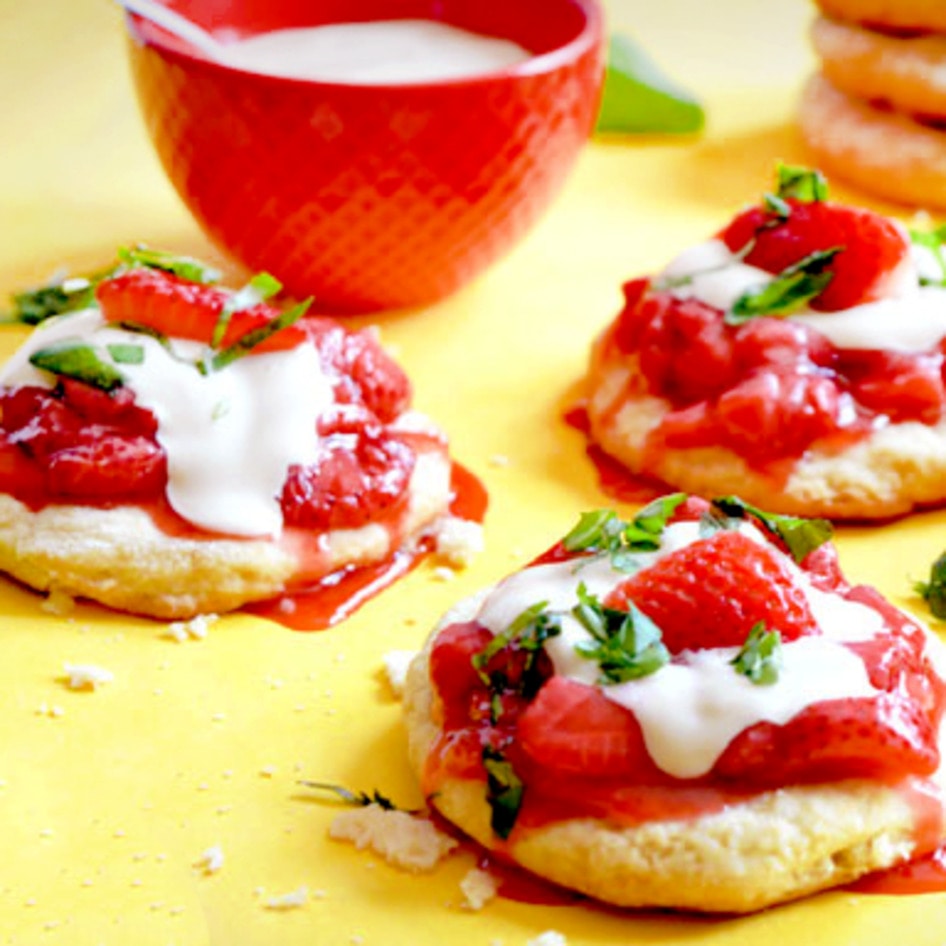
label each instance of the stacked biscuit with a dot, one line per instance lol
(876, 113)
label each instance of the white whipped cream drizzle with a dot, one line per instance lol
(909, 317)
(229, 436)
(693, 707)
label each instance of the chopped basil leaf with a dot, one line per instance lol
(933, 592)
(504, 790)
(528, 633)
(349, 797)
(933, 241)
(760, 658)
(186, 267)
(778, 207)
(260, 288)
(246, 343)
(78, 360)
(627, 644)
(801, 536)
(603, 533)
(639, 99)
(127, 354)
(801, 183)
(789, 291)
(69, 294)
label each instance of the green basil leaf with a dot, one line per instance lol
(760, 658)
(801, 536)
(789, 291)
(187, 267)
(78, 360)
(626, 645)
(246, 343)
(260, 288)
(801, 183)
(933, 240)
(504, 791)
(638, 98)
(350, 797)
(933, 592)
(34, 306)
(126, 354)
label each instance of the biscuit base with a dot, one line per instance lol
(884, 152)
(887, 473)
(120, 558)
(778, 846)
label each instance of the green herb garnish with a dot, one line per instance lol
(638, 98)
(801, 183)
(126, 354)
(260, 288)
(349, 797)
(801, 536)
(791, 289)
(933, 240)
(246, 343)
(760, 658)
(33, 306)
(933, 592)
(627, 644)
(604, 533)
(186, 267)
(78, 360)
(504, 791)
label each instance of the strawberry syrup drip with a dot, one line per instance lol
(926, 874)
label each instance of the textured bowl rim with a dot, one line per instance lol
(590, 37)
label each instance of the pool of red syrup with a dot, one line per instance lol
(615, 480)
(922, 875)
(340, 594)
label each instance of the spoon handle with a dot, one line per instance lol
(174, 23)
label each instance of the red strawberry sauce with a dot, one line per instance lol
(578, 754)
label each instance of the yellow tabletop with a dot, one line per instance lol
(108, 799)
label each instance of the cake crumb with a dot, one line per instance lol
(443, 573)
(293, 900)
(478, 888)
(458, 541)
(194, 629)
(404, 840)
(87, 676)
(396, 663)
(211, 860)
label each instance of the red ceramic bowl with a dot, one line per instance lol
(371, 197)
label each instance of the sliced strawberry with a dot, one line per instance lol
(686, 351)
(365, 373)
(180, 309)
(108, 467)
(871, 246)
(360, 476)
(574, 728)
(711, 593)
(20, 474)
(451, 658)
(114, 407)
(896, 384)
(765, 341)
(777, 412)
(877, 737)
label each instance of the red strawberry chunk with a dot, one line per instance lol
(711, 593)
(574, 728)
(871, 247)
(902, 386)
(364, 372)
(686, 351)
(360, 476)
(880, 737)
(181, 309)
(778, 412)
(108, 467)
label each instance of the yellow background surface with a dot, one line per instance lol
(108, 799)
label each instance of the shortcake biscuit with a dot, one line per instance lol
(892, 15)
(765, 845)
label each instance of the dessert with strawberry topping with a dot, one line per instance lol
(170, 447)
(796, 358)
(693, 709)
